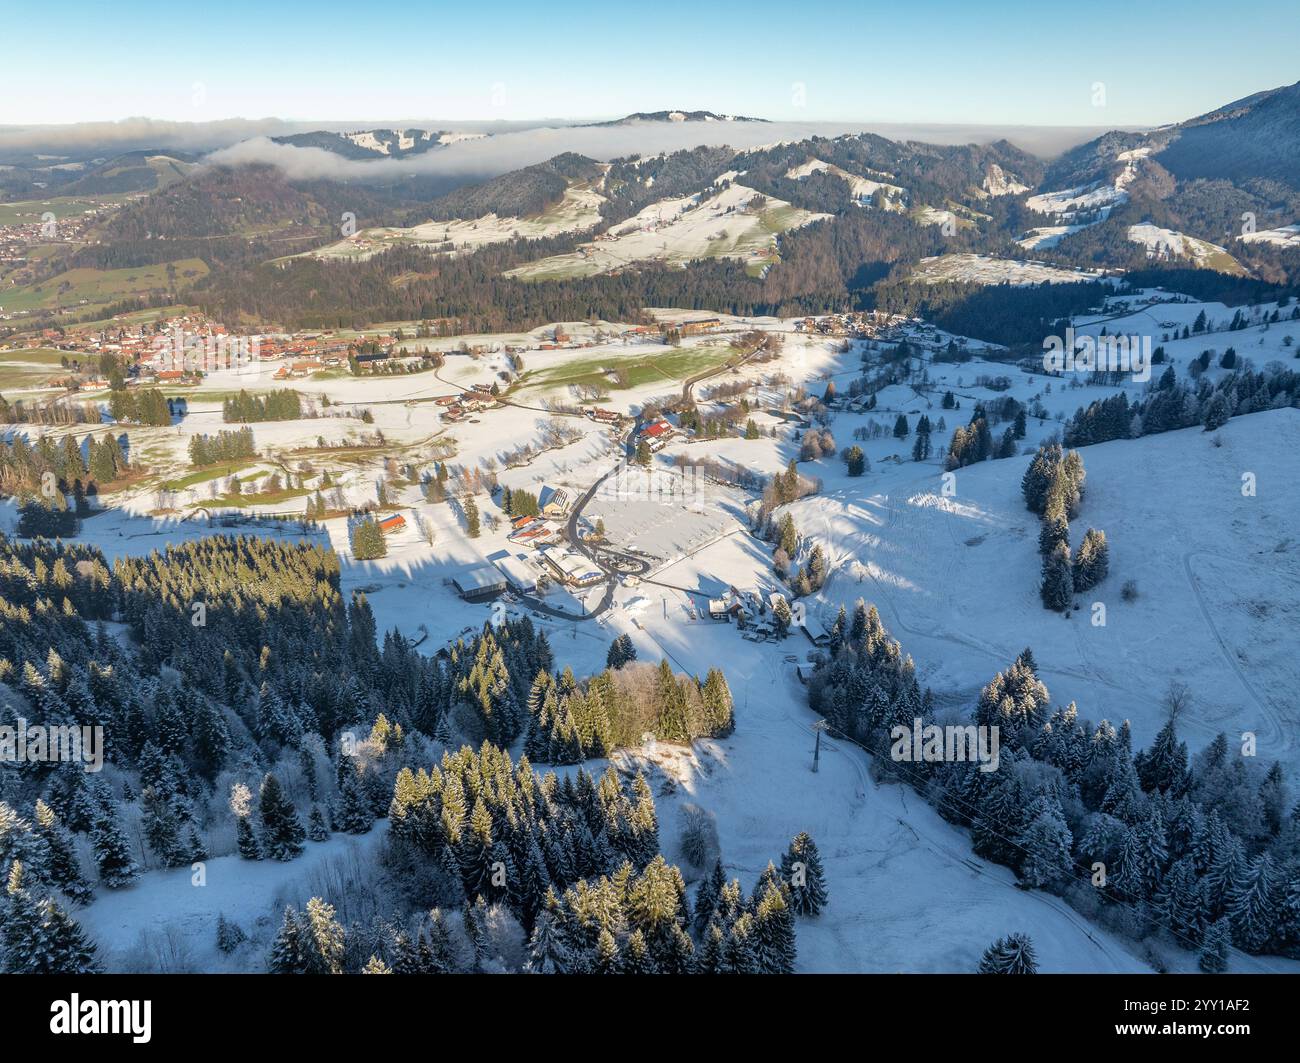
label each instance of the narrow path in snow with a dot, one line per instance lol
(1277, 733)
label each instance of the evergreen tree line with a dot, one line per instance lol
(1053, 488)
(228, 445)
(248, 673)
(89, 462)
(144, 406)
(1171, 405)
(565, 876)
(974, 442)
(281, 405)
(570, 722)
(1200, 850)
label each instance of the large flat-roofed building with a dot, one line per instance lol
(518, 573)
(478, 582)
(572, 568)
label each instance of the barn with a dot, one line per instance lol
(479, 582)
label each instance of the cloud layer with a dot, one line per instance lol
(488, 156)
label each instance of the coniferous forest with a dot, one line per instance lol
(1199, 847)
(248, 708)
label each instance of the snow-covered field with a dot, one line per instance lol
(984, 269)
(862, 188)
(952, 566)
(577, 211)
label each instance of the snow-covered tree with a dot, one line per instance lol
(1013, 954)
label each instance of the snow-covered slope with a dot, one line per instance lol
(1166, 244)
(1283, 236)
(984, 269)
(862, 188)
(733, 222)
(577, 211)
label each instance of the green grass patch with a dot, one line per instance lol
(80, 287)
(200, 476)
(671, 365)
(266, 498)
(26, 211)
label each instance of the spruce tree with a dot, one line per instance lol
(324, 937)
(38, 937)
(1058, 579)
(317, 830)
(1213, 958)
(1164, 766)
(353, 814)
(161, 829)
(707, 896)
(1253, 906)
(62, 864)
(548, 952)
(289, 952)
(738, 955)
(282, 832)
(229, 935)
(1046, 843)
(246, 839)
(801, 870)
(774, 936)
(1093, 560)
(1013, 954)
(117, 867)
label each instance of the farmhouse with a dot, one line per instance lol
(657, 434)
(478, 582)
(553, 502)
(535, 535)
(392, 524)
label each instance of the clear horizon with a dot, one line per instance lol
(935, 62)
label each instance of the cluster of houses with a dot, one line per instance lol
(44, 227)
(544, 529)
(186, 347)
(754, 612)
(751, 610)
(868, 324)
(457, 407)
(603, 416)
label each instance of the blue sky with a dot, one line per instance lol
(906, 61)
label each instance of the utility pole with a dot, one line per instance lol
(818, 728)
